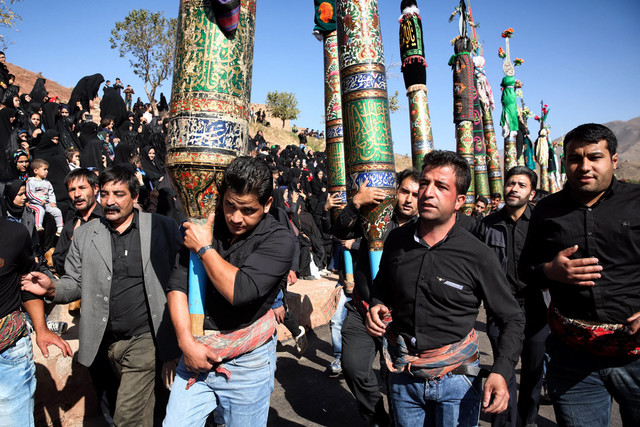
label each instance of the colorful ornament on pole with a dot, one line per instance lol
(209, 114)
(414, 72)
(365, 113)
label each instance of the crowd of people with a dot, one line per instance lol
(89, 214)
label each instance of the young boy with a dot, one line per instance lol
(41, 196)
(73, 158)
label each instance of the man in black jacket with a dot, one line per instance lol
(505, 232)
(82, 187)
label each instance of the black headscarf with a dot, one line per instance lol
(123, 154)
(91, 156)
(85, 90)
(49, 114)
(6, 149)
(39, 92)
(46, 148)
(112, 105)
(162, 105)
(152, 168)
(10, 193)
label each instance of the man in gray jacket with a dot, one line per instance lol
(120, 266)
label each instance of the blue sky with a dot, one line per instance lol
(580, 56)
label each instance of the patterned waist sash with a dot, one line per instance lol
(230, 344)
(429, 364)
(600, 339)
(12, 328)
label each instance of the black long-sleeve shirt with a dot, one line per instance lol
(264, 257)
(349, 225)
(435, 292)
(608, 230)
(16, 259)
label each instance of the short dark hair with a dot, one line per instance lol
(38, 163)
(496, 195)
(592, 133)
(80, 173)
(412, 173)
(248, 175)
(440, 158)
(120, 174)
(540, 194)
(522, 170)
(482, 199)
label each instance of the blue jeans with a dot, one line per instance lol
(453, 400)
(243, 400)
(17, 384)
(581, 386)
(335, 324)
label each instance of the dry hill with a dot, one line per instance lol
(26, 79)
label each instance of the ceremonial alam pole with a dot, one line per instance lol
(365, 112)
(209, 115)
(463, 91)
(336, 175)
(414, 71)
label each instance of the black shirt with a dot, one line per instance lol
(64, 242)
(506, 237)
(435, 292)
(128, 312)
(349, 225)
(264, 257)
(16, 259)
(608, 230)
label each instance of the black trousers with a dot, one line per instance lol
(525, 405)
(359, 350)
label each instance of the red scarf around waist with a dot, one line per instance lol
(598, 339)
(12, 328)
(230, 344)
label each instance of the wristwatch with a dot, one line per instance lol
(202, 250)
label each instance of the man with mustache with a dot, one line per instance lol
(433, 276)
(82, 187)
(583, 245)
(120, 265)
(505, 232)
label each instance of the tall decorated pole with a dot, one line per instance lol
(485, 94)
(481, 178)
(414, 71)
(463, 93)
(325, 30)
(365, 113)
(209, 113)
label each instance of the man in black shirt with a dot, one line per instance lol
(583, 245)
(120, 266)
(246, 257)
(358, 348)
(82, 187)
(505, 232)
(433, 276)
(17, 370)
